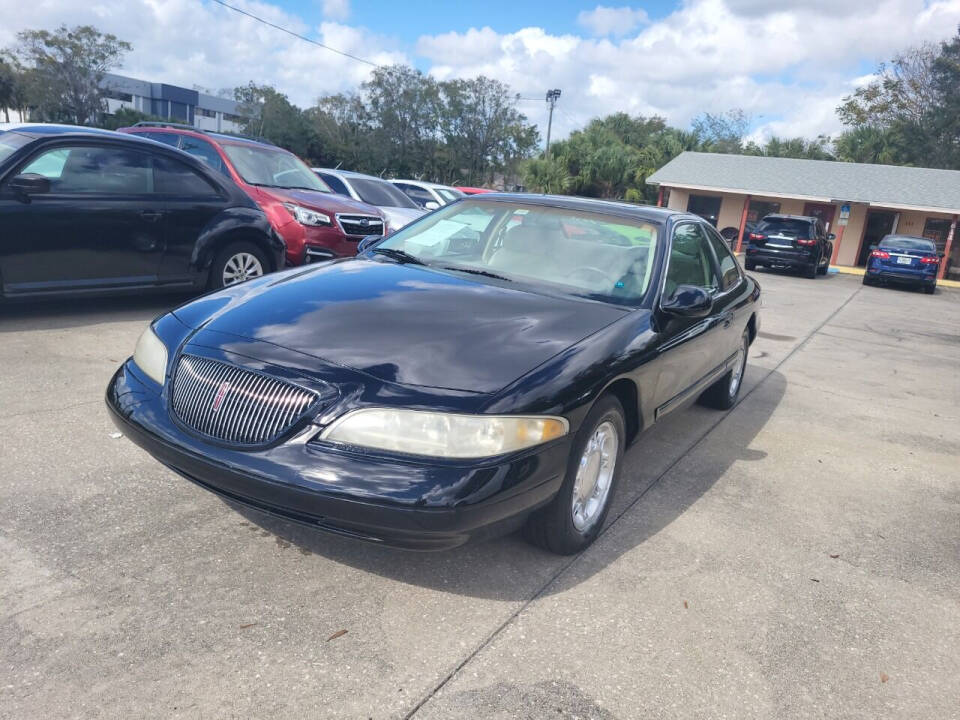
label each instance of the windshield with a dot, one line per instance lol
(587, 254)
(10, 142)
(260, 165)
(785, 226)
(380, 193)
(907, 243)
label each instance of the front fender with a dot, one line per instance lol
(246, 223)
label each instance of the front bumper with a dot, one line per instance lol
(402, 502)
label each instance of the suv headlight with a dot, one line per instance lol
(151, 355)
(305, 216)
(443, 435)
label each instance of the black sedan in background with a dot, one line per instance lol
(484, 367)
(85, 211)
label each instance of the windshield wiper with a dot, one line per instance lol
(476, 271)
(401, 256)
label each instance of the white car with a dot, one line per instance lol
(396, 207)
(428, 195)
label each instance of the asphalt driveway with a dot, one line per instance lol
(798, 557)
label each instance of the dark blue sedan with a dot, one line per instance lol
(482, 368)
(904, 260)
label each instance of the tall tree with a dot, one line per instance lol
(723, 132)
(66, 68)
(945, 119)
(270, 114)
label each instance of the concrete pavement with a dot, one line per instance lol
(797, 557)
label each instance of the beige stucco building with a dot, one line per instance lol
(859, 203)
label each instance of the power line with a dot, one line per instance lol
(296, 35)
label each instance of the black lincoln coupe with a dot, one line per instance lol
(483, 368)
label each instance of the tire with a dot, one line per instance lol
(810, 272)
(749, 265)
(554, 527)
(866, 280)
(243, 260)
(930, 289)
(823, 270)
(723, 394)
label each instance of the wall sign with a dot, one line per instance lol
(844, 214)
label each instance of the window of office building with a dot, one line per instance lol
(759, 209)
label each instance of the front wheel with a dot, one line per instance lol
(574, 518)
(722, 395)
(235, 263)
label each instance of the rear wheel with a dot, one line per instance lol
(867, 280)
(574, 518)
(235, 263)
(811, 271)
(722, 395)
(930, 289)
(749, 265)
(822, 270)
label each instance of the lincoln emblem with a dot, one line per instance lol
(221, 394)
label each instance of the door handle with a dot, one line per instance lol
(151, 215)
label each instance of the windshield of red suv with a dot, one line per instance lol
(272, 167)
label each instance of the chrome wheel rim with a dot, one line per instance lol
(740, 364)
(240, 267)
(591, 487)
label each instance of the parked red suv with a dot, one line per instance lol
(315, 223)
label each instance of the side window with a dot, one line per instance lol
(171, 139)
(175, 178)
(203, 150)
(90, 169)
(690, 261)
(729, 269)
(420, 196)
(335, 183)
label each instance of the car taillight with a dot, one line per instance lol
(930, 260)
(881, 254)
(756, 236)
(806, 241)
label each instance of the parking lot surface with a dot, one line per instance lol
(797, 557)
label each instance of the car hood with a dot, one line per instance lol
(325, 202)
(397, 217)
(403, 324)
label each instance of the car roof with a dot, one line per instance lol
(225, 138)
(53, 129)
(424, 183)
(572, 202)
(348, 174)
(782, 216)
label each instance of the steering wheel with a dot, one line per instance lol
(592, 271)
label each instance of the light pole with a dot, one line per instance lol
(552, 97)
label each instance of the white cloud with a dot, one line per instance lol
(603, 20)
(336, 9)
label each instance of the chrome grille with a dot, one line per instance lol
(360, 224)
(234, 405)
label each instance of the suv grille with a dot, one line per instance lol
(234, 405)
(360, 224)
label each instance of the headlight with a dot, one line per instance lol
(151, 355)
(442, 434)
(304, 216)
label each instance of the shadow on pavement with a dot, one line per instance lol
(62, 313)
(508, 568)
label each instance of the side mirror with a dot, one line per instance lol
(30, 184)
(688, 301)
(831, 236)
(431, 205)
(368, 242)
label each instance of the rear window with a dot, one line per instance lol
(380, 193)
(907, 243)
(785, 226)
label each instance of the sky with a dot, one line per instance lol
(786, 63)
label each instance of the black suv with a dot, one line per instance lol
(793, 242)
(86, 211)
